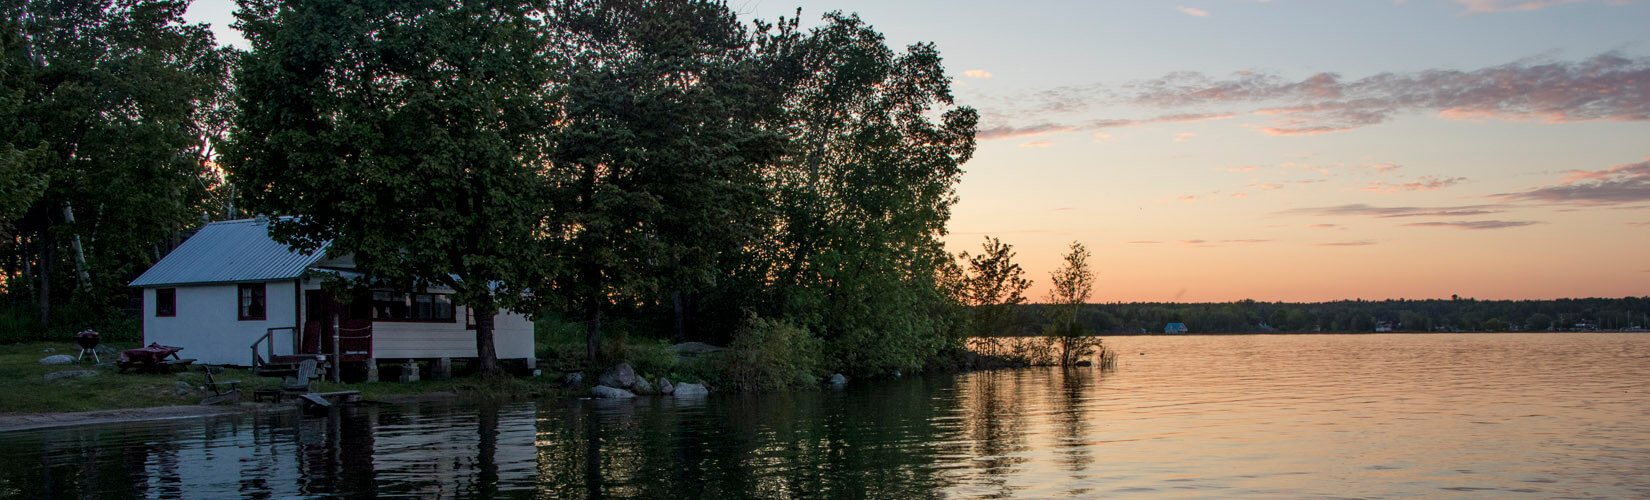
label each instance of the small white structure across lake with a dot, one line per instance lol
(1175, 328)
(230, 295)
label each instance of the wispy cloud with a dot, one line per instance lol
(1360, 243)
(1621, 184)
(1184, 136)
(1239, 168)
(1360, 209)
(1476, 225)
(1608, 86)
(1269, 186)
(1192, 11)
(1144, 242)
(977, 73)
(1037, 144)
(1006, 132)
(1425, 184)
(1326, 226)
(1489, 6)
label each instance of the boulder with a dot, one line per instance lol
(685, 390)
(618, 376)
(665, 387)
(57, 359)
(182, 388)
(642, 387)
(572, 379)
(105, 351)
(70, 374)
(605, 392)
(837, 381)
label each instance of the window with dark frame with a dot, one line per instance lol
(166, 302)
(251, 302)
(397, 306)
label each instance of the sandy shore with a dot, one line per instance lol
(29, 421)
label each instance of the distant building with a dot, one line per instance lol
(1175, 328)
(1383, 327)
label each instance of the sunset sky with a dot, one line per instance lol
(1299, 150)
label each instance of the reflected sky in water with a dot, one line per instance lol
(1323, 416)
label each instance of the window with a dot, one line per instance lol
(251, 302)
(166, 302)
(396, 306)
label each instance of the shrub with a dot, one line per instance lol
(769, 354)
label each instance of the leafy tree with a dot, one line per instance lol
(992, 285)
(100, 170)
(862, 198)
(1538, 322)
(410, 135)
(670, 111)
(1072, 282)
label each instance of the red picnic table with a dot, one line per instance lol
(152, 358)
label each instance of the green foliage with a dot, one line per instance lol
(366, 119)
(1073, 283)
(103, 145)
(992, 285)
(769, 354)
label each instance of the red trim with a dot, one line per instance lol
(172, 295)
(263, 302)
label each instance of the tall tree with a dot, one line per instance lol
(98, 134)
(412, 135)
(669, 110)
(863, 197)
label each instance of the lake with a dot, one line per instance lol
(1553, 415)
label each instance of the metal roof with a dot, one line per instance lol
(228, 252)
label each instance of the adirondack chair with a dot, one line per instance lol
(222, 391)
(300, 383)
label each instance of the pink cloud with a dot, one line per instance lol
(977, 73)
(1621, 184)
(1239, 168)
(1361, 243)
(1007, 132)
(1184, 136)
(1192, 11)
(1425, 184)
(1037, 144)
(1489, 6)
(1267, 186)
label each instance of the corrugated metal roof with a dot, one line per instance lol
(227, 252)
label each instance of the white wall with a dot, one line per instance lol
(207, 325)
(512, 337)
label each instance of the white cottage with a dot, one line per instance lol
(230, 295)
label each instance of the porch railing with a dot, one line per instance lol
(268, 341)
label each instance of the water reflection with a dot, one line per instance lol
(1282, 416)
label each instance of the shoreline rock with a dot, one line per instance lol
(605, 392)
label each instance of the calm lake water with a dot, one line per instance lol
(1275, 416)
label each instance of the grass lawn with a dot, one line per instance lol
(27, 391)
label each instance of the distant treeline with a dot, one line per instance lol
(1435, 315)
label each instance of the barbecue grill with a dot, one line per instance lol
(88, 343)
